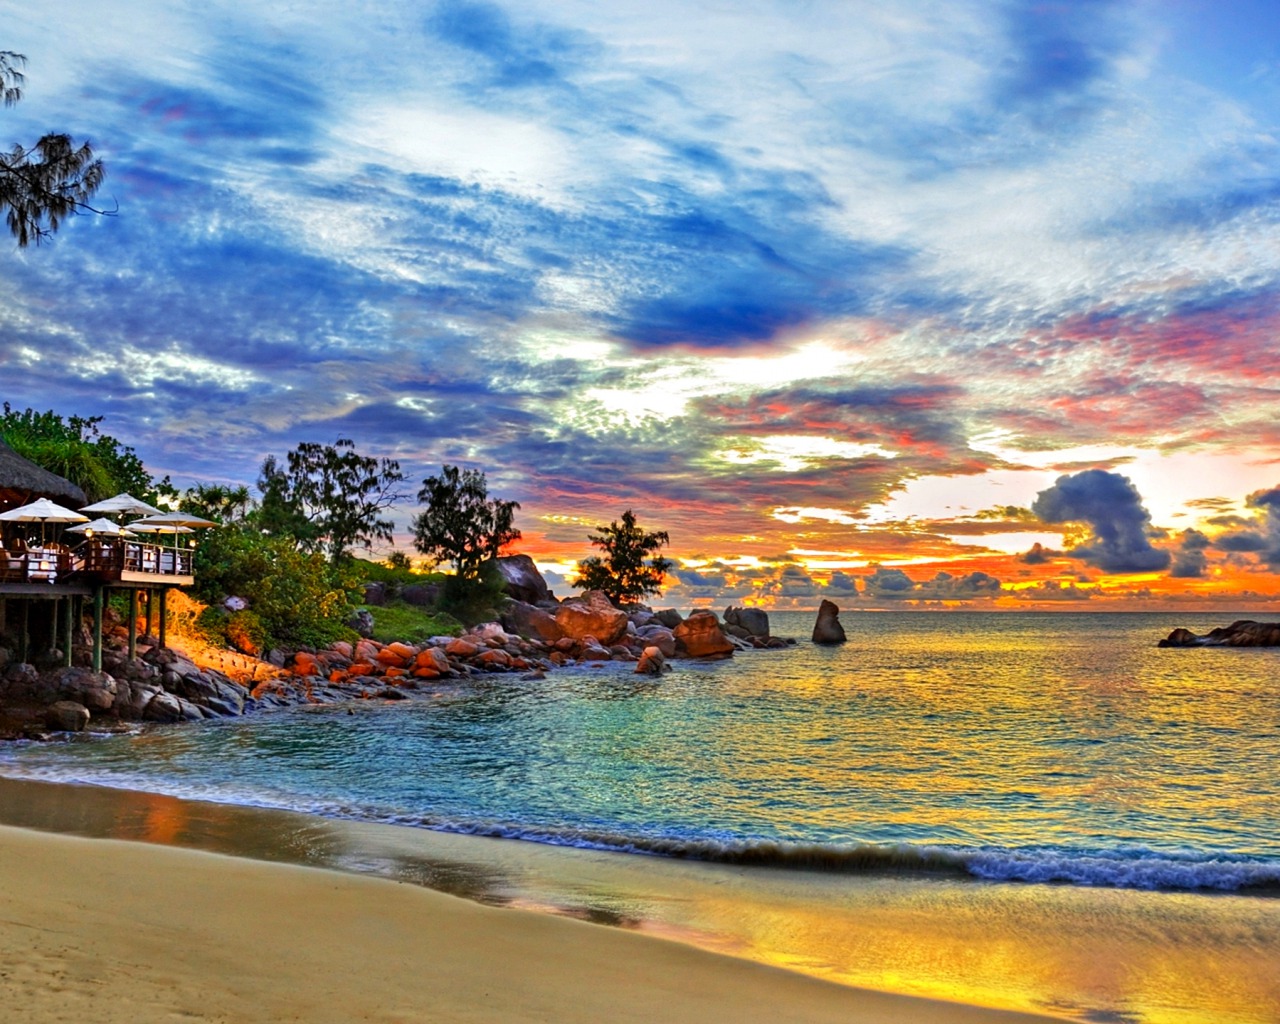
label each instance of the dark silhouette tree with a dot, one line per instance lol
(42, 184)
(623, 574)
(460, 523)
(328, 497)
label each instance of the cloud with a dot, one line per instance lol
(1112, 506)
(1190, 561)
(1054, 590)
(1038, 555)
(1264, 539)
(896, 585)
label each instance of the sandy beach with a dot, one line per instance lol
(106, 931)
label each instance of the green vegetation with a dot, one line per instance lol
(623, 574)
(397, 620)
(461, 523)
(77, 450)
(297, 598)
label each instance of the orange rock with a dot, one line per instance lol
(337, 676)
(460, 648)
(494, 657)
(425, 672)
(344, 649)
(387, 656)
(433, 658)
(367, 650)
(305, 664)
(395, 672)
(361, 668)
(404, 650)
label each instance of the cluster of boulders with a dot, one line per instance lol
(158, 686)
(1242, 633)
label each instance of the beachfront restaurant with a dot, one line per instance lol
(57, 552)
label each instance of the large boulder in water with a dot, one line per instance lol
(700, 636)
(827, 630)
(523, 581)
(592, 615)
(1241, 633)
(755, 621)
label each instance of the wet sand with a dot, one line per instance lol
(167, 932)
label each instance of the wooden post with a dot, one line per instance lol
(23, 625)
(97, 628)
(68, 634)
(133, 623)
(164, 593)
(150, 595)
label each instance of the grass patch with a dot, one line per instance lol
(397, 620)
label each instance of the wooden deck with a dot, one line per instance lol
(123, 561)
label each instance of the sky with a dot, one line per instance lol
(901, 304)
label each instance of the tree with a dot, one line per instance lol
(43, 184)
(222, 504)
(623, 574)
(460, 523)
(77, 450)
(329, 497)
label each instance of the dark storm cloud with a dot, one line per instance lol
(1038, 555)
(1189, 560)
(1112, 506)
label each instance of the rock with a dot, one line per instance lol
(66, 716)
(594, 652)
(421, 595)
(1241, 633)
(375, 594)
(235, 604)
(528, 621)
(659, 637)
(362, 622)
(460, 648)
(489, 631)
(669, 617)
(754, 620)
(592, 614)
(700, 636)
(827, 630)
(523, 580)
(651, 662)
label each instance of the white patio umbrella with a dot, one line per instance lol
(173, 519)
(43, 511)
(103, 528)
(126, 504)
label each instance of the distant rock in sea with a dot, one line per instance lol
(1242, 633)
(827, 630)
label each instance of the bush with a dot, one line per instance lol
(474, 600)
(296, 599)
(246, 632)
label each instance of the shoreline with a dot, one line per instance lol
(1051, 952)
(152, 927)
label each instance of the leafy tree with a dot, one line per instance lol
(77, 450)
(328, 497)
(623, 574)
(460, 523)
(43, 184)
(217, 502)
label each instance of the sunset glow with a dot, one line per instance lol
(964, 306)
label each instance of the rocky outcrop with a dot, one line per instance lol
(668, 617)
(752, 621)
(700, 636)
(523, 580)
(593, 615)
(1242, 633)
(67, 716)
(535, 623)
(827, 630)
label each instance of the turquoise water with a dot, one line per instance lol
(1034, 747)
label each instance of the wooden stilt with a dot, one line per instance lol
(68, 633)
(23, 626)
(133, 623)
(97, 628)
(150, 595)
(163, 614)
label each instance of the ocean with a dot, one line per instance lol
(964, 759)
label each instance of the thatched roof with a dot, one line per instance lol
(21, 481)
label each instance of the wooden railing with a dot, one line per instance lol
(108, 559)
(35, 565)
